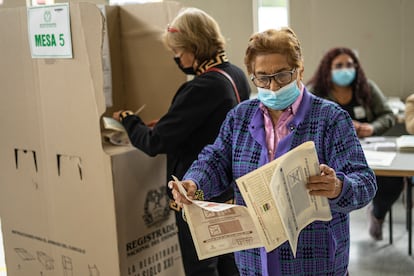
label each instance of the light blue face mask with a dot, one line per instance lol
(280, 99)
(343, 77)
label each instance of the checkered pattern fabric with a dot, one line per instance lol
(240, 147)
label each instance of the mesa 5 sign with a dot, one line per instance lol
(49, 31)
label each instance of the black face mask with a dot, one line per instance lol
(187, 70)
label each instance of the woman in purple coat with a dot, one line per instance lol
(283, 116)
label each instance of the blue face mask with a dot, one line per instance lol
(280, 99)
(343, 77)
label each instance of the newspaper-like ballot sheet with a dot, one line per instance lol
(219, 228)
(296, 207)
(278, 207)
(222, 229)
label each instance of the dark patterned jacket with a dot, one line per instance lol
(323, 247)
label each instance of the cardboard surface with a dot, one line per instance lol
(147, 240)
(67, 205)
(144, 71)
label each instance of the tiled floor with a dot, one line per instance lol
(367, 257)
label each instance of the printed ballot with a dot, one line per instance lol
(278, 207)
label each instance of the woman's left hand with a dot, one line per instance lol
(117, 115)
(325, 184)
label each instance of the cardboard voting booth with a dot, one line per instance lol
(69, 203)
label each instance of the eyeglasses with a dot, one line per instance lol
(344, 65)
(281, 78)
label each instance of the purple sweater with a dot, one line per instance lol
(323, 247)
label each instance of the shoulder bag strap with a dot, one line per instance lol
(236, 92)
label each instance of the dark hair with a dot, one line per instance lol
(321, 83)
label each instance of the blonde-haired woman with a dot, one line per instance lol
(195, 36)
(194, 117)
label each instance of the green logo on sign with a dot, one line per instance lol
(47, 16)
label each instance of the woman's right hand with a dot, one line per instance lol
(190, 188)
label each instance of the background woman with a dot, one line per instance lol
(340, 78)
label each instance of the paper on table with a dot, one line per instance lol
(374, 139)
(405, 143)
(380, 146)
(379, 158)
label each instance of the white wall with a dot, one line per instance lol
(380, 30)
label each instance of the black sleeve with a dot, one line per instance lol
(195, 106)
